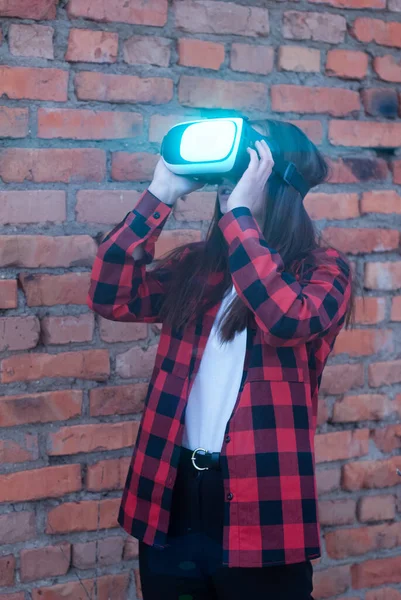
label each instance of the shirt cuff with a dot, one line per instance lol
(236, 221)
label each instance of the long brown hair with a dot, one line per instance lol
(202, 276)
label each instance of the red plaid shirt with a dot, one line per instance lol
(268, 450)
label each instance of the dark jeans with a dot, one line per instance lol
(191, 569)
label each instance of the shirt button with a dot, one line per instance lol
(156, 215)
(228, 439)
(230, 496)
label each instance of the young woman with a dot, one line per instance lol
(221, 490)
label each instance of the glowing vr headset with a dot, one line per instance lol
(213, 149)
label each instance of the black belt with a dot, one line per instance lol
(201, 459)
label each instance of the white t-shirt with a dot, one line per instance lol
(215, 388)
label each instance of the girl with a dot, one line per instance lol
(221, 490)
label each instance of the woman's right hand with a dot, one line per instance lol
(168, 186)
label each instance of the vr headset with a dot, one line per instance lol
(215, 149)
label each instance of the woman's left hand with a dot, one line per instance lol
(250, 189)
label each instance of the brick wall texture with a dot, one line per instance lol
(88, 88)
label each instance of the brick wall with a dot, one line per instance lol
(88, 89)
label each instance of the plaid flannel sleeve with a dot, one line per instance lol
(289, 311)
(121, 289)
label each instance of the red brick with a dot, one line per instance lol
(384, 373)
(383, 275)
(123, 88)
(14, 122)
(72, 590)
(160, 124)
(396, 167)
(331, 582)
(108, 512)
(131, 549)
(119, 400)
(32, 206)
(92, 438)
(360, 241)
(219, 93)
(312, 128)
(316, 26)
(113, 331)
(105, 206)
(337, 512)
(363, 342)
(322, 412)
(384, 33)
(365, 134)
(110, 552)
(328, 480)
(87, 515)
(380, 102)
(354, 4)
(88, 124)
(107, 474)
(136, 362)
(153, 12)
(396, 309)
(341, 445)
(7, 570)
(388, 68)
(371, 474)
(31, 40)
(17, 527)
(370, 311)
(147, 50)
(113, 586)
(73, 516)
(42, 251)
(299, 58)
(376, 508)
(338, 379)
(364, 407)
(87, 45)
(67, 329)
(252, 59)
(387, 439)
(172, 239)
(381, 201)
(347, 64)
(353, 542)
(33, 84)
(50, 290)
(374, 573)
(69, 165)
(357, 169)
(87, 364)
(18, 333)
(41, 563)
(84, 555)
(16, 596)
(49, 482)
(8, 293)
(39, 10)
(41, 407)
(139, 166)
(206, 16)
(200, 53)
(198, 206)
(301, 99)
(22, 450)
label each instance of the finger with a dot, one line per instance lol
(267, 162)
(254, 160)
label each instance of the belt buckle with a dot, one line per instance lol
(193, 460)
